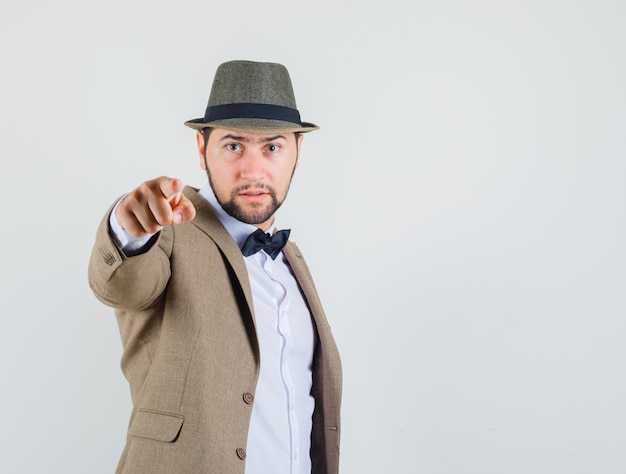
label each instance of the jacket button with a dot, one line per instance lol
(248, 398)
(241, 453)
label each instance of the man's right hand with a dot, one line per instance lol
(152, 205)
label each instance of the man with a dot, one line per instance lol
(231, 363)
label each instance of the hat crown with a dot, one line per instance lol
(238, 82)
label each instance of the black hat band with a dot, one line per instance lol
(245, 110)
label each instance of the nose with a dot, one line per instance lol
(252, 166)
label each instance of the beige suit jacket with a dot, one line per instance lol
(190, 351)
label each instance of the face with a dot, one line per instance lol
(250, 174)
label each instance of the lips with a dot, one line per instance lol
(254, 196)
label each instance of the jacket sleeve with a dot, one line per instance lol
(130, 283)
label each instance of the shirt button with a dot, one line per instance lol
(241, 453)
(248, 398)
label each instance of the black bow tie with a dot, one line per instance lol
(259, 240)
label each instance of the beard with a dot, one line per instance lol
(258, 213)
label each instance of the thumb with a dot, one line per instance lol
(183, 211)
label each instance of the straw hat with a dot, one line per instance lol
(252, 97)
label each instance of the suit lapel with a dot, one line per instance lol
(207, 222)
(305, 280)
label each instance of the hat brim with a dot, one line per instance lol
(253, 125)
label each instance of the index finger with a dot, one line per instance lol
(170, 187)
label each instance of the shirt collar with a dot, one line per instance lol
(238, 230)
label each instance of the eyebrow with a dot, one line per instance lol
(246, 140)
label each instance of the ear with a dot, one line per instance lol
(201, 148)
(299, 148)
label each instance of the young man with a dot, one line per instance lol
(231, 363)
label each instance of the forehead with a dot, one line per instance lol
(222, 134)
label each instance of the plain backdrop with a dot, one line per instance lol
(461, 209)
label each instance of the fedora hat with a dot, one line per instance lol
(252, 97)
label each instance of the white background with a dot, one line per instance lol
(461, 208)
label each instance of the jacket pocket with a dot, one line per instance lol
(156, 425)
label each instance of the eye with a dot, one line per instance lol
(273, 148)
(233, 147)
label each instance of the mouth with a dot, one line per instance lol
(254, 196)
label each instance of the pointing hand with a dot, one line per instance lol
(154, 204)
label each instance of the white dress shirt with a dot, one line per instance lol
(279, 436)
